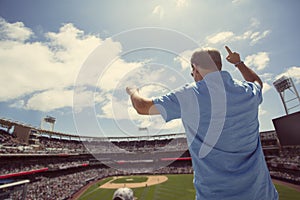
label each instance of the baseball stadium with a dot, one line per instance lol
(43, 164)
(162, 100)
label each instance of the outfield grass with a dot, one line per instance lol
(178, 187)
(287, 193)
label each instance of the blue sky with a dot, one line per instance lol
(45, 47)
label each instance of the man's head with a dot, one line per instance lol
(123, 194)
(204, 62)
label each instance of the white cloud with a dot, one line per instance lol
(259, 60)
(229, 36)
(255, 37)
(244, 36)
(50, 100)
(15, 31)
(118, 110)
(266, 87)
(18, 104)
(221, 37)
(113, 108)
(85, 98)
(114, 102)
(38, 66)
(254, 22)
(267, 77)
(114, 74)
(159, 10)
(293, 72)
(156, 123)
(117, 105)
(169, 9)
(262, 111)
(184, 59)
(154, 89)
(45, 72)
(61, 98)
(181, 3)
(236, 1)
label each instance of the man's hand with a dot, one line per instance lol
(247, 73)
(233, 58)
(142, 105)
(131, 90)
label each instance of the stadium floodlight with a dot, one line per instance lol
(281, 85)
(50, 120)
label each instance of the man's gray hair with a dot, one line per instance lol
(207, 59)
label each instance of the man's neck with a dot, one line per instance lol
(204, 72)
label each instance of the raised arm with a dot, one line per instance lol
(143, 106)
(247, 73)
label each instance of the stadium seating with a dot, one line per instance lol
(58, 167)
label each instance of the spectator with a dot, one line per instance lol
(220, 116)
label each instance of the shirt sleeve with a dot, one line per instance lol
(168, 106)
(256, 91)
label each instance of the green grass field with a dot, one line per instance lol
(131, 179)
(178, 187)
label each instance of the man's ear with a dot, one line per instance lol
(198, 70)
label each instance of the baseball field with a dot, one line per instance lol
(162, 187)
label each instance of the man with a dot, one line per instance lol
(220, 117)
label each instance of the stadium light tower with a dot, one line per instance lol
(50, 120)
(283, 84)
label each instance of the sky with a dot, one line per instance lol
(72, 60)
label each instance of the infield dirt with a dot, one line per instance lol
(152, 180)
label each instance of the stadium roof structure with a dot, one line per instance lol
(7, 123)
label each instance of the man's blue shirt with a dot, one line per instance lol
(220, 117)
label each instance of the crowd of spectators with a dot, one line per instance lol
(176, 144)
(4, 137)
(8, 144)
(188, 169)
(61, 145)
(96, 146)
(286, 166)
(17, 167)
(47, 145)
(63, 187)
(285, 176)
(286, 162)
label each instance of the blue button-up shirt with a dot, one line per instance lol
(220, 117)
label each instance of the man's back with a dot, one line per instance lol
(234, 166)
(220, 117)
